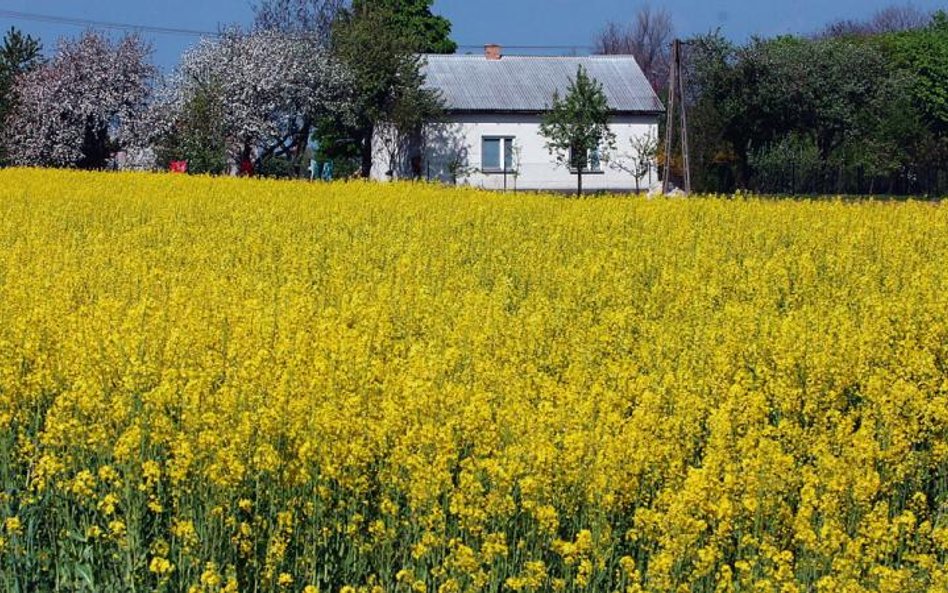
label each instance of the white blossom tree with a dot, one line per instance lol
(264, 87)
(81, 107)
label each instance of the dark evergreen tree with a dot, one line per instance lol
(20, 53)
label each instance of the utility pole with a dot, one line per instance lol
(676, 95)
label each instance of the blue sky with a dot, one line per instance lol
(509, 22)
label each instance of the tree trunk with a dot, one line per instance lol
(579, 182)
(95, 146)
(244, 159)
(367, 152)
(302, 141)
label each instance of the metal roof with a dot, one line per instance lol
(527, 83)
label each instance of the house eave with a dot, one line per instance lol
(634, 112)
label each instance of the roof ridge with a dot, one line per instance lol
(515, 56)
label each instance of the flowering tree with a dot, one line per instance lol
(262, 88)
(80, 107)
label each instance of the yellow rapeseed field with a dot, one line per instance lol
(213, 385)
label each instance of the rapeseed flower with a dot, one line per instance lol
(221, 385)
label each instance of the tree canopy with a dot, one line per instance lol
(19, 54)
(576, 127)
(382, 58)
(82, 106)
(853, 113)
(924, 52)
(424, 31)
(254, 93)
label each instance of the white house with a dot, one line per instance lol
(495, 104)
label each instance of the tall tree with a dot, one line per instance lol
(382, 57)
(708, 64)
(813, 115)
(423, 31)
(399, 134)
(647, 38)
(189, 126)
(82, 106)
(19, 54)
(924, 52)
(576, 127)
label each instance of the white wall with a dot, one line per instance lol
(459, 141)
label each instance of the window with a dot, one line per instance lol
(593, 162)
(496, 150)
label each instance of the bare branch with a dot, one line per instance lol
(313, 17)
(887, 20)
(647, 38)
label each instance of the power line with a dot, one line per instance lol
(62, 20)
(80, 22)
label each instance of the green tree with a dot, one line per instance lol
(389, 85)
(197, 136)
(19, 53)
(711, 102)
(924, 53)
(754, 107)
(424, 31)
(576, 127)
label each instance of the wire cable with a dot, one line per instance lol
(80, 22)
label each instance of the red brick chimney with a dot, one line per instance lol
(492, 51)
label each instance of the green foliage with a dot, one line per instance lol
(790, 163)
(867, 105)
(710, 76)
(425, 31)
(197, 138)
(387, 75)
(578, 124)
(19, 53)
(924, 53)
(335, 145)
(792, 85)
(279, 167)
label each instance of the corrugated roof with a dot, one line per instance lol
(527, 83)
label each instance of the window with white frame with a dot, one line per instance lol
(593, 162)
(497, 154)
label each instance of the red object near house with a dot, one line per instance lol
(246, 167)
(178, 166)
